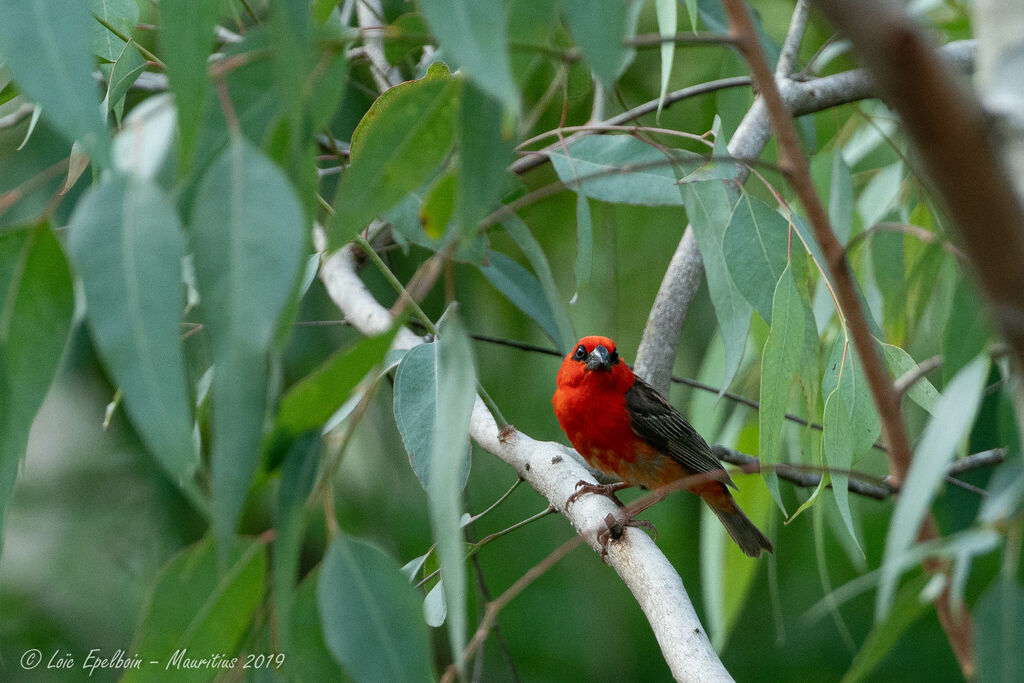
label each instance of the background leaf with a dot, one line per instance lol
(35, 316)
(708, 207)
(195, 607)
(186, 36)
(522, 289)
(950, 423)
(755, 246)
(599, 167)
(247, 229)
(416, 409)
(367, 606)
(398, 146)
(473, 35)
(127, 245)
(600, 28)
(46, 45)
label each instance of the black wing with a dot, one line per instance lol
(658, 423)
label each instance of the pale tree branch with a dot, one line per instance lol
(553, 470)
(369, 15)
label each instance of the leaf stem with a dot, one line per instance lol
(128, 39)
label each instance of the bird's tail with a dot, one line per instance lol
(747, 536)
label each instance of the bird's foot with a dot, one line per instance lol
(615, 529)
(604, 489)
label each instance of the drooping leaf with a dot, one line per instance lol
(708, 207)
(967, 331)
(619, 169)
(954, 414)
(456, 394)
(531, 248)
(835, 186)
(126, 243)
(522, 289)
(308, 658)
(416, 409)
(755, 245)
(122, 15)
(247, 229)
(485, 152)
(779, 368)
(601, 29)
(667, 27)
(122, 74)
(584, 242)
(312, 400)
(397, 146)
(36, 303)
(297, 477)
(473, 35)
(367, 606)
(194, 606)
(46, 45)
(186, 36)
(922, 392)
(998, 635)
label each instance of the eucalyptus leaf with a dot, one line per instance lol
(951, 422)
(368, 607)
(522, 289)
(127, 245)
(35, 317)
(248, 230)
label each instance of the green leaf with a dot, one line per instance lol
(837, 449)
(36, 303)
(122, 15)
(531, 248)
(311, 401)
(126, 243)
(780, 366)
(922, 392)
(123, 73)
(966, 332)
(456, 394)
(247, 229)
(950, 424)
(884, 635)
(601, 167)
(195, 607)
(473, 35)
(46, 45)
(522, 289)
(667, 27)
(484, 155)
(297, 477)
(835, 186)
(584, 242)
(308, 658)
(999, 631)
(755, 245)
(397, 146)
(367, 607)
(438, 206)
(601, 29)
(186, 36)
(708, 207)
(416, 409)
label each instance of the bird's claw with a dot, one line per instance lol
(603, 489)
(616, 527)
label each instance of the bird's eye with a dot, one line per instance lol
(613, 358)
(581, 352)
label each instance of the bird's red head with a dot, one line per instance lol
(594, 359)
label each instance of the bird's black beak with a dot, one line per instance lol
(599, 359)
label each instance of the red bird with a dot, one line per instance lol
(622, 426)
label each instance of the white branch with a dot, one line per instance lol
(553, 470)
(368, 14)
